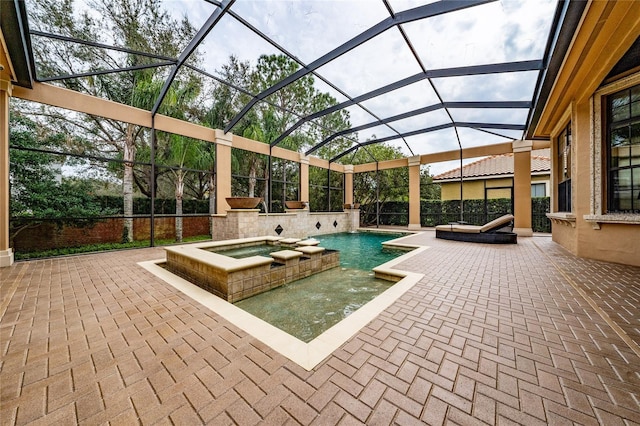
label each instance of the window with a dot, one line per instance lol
(538, 190)
(564, 170)
(623, 146)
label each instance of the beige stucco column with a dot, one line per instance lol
(522, 188)
(223, 170)
(6, 252)
(304, 178)
(414, 192)
(348, 184)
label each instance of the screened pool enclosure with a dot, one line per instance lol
(135, 120)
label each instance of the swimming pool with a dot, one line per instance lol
(306, 354)
(307, 307)
(362, 250)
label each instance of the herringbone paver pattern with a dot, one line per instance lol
(614, 288)
(491, 335)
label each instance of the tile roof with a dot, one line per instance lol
(498, 165)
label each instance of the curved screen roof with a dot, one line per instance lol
(413, 74)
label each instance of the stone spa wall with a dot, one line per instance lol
(298, 223)
(235, 279)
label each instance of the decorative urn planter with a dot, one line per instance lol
(243, 202)
(295, 204)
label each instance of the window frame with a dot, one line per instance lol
(611, 170)
(538, 185)
(564, 163)
(598, 122)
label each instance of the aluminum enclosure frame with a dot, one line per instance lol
(395, 19)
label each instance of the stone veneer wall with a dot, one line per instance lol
(294, 223)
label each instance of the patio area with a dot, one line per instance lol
(515, 334)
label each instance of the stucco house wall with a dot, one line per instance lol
(601, 59)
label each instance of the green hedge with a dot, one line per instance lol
(437, 212)
(540, 206)
(142, 205)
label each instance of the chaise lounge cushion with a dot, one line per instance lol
(497, 223)
(466, 229)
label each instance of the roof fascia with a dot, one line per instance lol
(593, 36)
(15, 29)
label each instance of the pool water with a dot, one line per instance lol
(362, 250)
(242, 252)
(307, 307)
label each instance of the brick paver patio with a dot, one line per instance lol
(525, 334)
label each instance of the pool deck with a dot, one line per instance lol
(509, 334)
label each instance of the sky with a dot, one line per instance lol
(500, 31)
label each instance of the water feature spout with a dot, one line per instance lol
(264, 204)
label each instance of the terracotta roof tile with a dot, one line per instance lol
(498, 165)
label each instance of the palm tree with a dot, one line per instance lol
(183, 153)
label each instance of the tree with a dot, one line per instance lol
(373, 189)
(428, 189)
(327, 126)
(182, 153)
(252, 160)
(226, 101)
(266, 121)
(296, 100)
(140, 25)
(38, 192)
(297, 96)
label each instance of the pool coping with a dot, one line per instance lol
(307, 355)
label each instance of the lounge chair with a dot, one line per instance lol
(498, 231)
